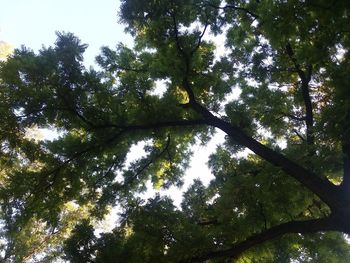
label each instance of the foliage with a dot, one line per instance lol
(286, 201)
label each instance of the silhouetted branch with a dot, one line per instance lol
(319, 186)
(303, 227)
(233, 7)
(346, 167)
(156, 125)
(176, 32)
(305, 77)
(55, 172)
(208, 222)
(299, 135)
(293, 117)
(151, 160)
(199, 41)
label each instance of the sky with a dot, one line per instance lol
(34, 23)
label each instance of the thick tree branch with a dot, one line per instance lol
(131, 128)
(309, 118)
(326, 191)
(305, 78)
(303, 227)
(122, 129)
(327, 7)
(299, 135)
(208, 222)
(346, 168)
(322, 188)
(155, 125)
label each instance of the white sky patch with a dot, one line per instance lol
(109, 222)
(234, 94)
(160, 87)
(282, 143)
(340, 53)
(22, 23)
(136, 151)
(39, 134)
(219, 41)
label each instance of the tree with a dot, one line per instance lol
(287, 201)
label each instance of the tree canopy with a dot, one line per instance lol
(288, 200)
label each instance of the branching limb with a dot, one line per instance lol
(346, 164)
(151, 160)
(136, 70)
(186, 58)
(233, 7)
(82, 117)
(303, 227)
(176, 35)
(121, 131)
(155, 125)
(299, 135)
(108, 172)
(293, 117)
(199, 41)
(321, 187)
(177, 39)
(305, 77)
(208, 222)
(262, 212)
